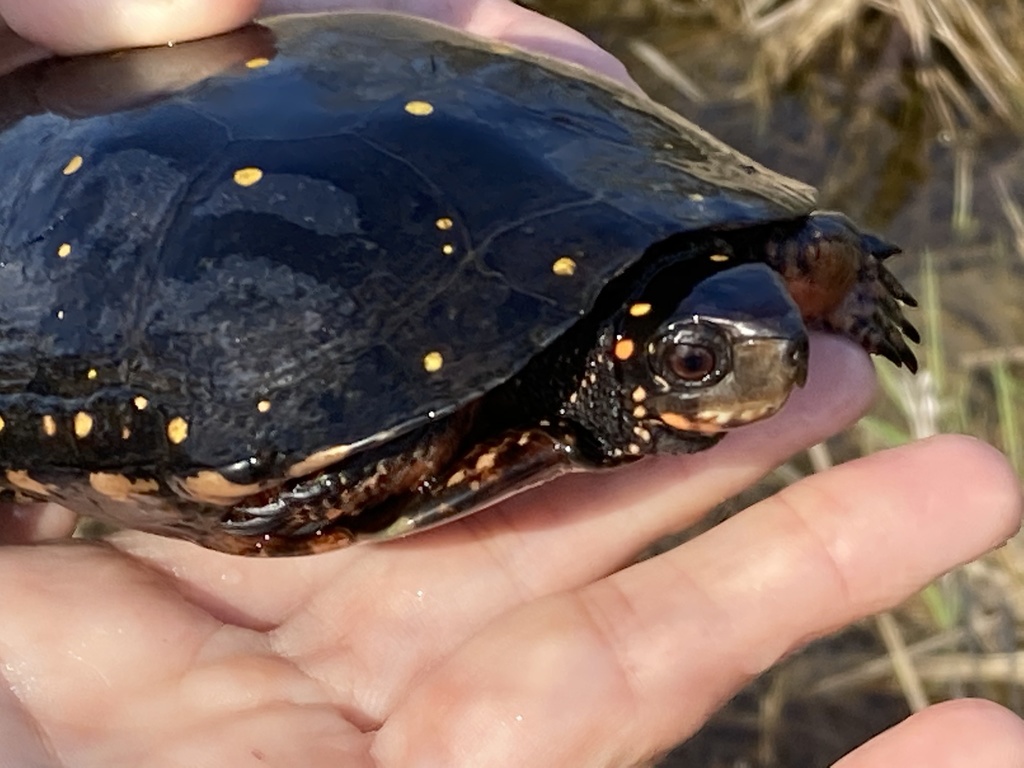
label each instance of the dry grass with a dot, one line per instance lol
(960, 64)
(963, 29)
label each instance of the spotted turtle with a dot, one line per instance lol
(344, 277)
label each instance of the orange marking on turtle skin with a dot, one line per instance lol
(624, 349)
(20, 479)
(211, 486)
(678, 421)
(119, 487)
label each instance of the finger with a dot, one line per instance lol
(969, 733)
(27, 523)
(496, 19)
(81, 26)
(643, 657)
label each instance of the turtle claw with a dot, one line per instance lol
(910, 361)
(895, 288)
(910, 331)
(876, 246)
(872, 314)
(836, 275)
(890, 353)
(899, 354)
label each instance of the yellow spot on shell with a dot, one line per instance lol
(91, 374)
(444, 223)
(640, 309)
(49, 426)
(64, 250)
(73, 165)
(2, 423)
(83, 424)
(140, 402)
(720, 257)
(447, 249)
(125, 433)
(177, 430)
(624, 349)
(246, 177)
(432, 362)
(639, 395)
(60, 314)
(564, 267)
(257, 63)
(263, 406)
(419, 108)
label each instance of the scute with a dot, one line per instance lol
(365, 246)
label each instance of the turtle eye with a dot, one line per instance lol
(691, 362)
(692, 354)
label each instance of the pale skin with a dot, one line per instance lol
(514, 638)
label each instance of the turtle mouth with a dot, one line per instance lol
(764, 372)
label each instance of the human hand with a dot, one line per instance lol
(513, 638)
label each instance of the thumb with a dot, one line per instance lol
(83, 26)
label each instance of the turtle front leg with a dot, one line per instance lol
(487, 474)
(837, 277)
(416, 482)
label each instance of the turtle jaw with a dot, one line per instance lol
(763, 374)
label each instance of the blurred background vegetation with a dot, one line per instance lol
(909, 116)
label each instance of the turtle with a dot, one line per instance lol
(344, 277)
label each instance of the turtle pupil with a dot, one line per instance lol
(692, 362)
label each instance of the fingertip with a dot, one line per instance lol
(960, 492)
(841, 369)
(32, 523)
(84, 26)
(979, 716)
(955, 734)
(986, 475)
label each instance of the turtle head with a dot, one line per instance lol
(729, 353)
(687, 369)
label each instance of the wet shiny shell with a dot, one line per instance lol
(316, 234)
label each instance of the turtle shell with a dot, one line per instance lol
(343, 226)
